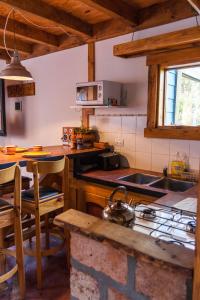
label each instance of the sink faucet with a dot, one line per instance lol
(165, 174)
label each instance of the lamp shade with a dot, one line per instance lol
(15, 70)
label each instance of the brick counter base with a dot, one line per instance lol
(100, 271)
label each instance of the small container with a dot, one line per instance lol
(10, 150)
(177, 166)
(37, 148)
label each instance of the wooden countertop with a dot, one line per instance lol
(54, 150)
(135, 242)
(111, 178)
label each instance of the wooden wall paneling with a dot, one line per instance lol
(160, 42)
(21, 90)
(86, 112)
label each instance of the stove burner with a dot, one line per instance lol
(191, 226)
(148, 214)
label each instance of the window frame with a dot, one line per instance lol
(157, 64)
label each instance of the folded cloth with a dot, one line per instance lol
(44, 192)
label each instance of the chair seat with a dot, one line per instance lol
(44, 192)
(4, 205)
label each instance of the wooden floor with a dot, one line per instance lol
(56, 286)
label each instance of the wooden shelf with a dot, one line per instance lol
(96, 106)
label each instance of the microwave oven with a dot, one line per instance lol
(98, 93)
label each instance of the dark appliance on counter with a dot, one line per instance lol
(109, 161)
(96, 161)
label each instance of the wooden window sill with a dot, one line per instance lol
(182, 133)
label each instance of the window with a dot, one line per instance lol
(174, 95)
(181, 97)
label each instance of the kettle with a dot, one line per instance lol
(119, 212)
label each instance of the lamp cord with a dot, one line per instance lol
(29, 21)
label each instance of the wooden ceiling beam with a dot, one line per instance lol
(164, 13)
(4, 56)
(22, 47)
(160, 42)
(115, 9)
(155, 15)
(29, 33)
(52, 14)
(195, 4)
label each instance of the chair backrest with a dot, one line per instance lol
(46, 166)
(9, 172)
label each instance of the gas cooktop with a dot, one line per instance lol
(166, 223)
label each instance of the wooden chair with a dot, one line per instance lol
(41, 201)
(10, 215)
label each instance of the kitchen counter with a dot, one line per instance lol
(111, 178)
(54, 150)
(106, 256)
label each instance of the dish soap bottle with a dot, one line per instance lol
(177, 166)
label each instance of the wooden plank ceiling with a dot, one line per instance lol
(63, 24)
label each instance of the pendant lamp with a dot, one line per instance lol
(15, 70)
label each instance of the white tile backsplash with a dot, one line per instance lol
(128, 124)
(143, 160)
(160, 146)
(143, 144)
(141, 124)
(140, 152)
(159, 162)
(180, 146)
(108, 124)
(195, 149)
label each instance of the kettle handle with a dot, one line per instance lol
(119, 188)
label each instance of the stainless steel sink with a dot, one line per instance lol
(139, 178)
(172, 184)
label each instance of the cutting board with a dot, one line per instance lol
(33, 154)
(188, 204)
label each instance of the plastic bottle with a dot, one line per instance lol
(177, 166)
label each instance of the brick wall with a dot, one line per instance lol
(102, 271)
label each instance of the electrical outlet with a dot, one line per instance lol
(18, 105)
(119, 142)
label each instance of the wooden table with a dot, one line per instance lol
(54, 150)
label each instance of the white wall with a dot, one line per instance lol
(55, 76)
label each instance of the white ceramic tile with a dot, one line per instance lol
(143, 144)
(160, 146)
(141, 124)
(194, 163)
(143, 160)
(128, 142)
(108, 124)
(195, 149)
(129, 124)
(179, 146)
(110, 138)
(159, 162)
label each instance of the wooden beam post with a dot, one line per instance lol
(196, 279)
(86, 112)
